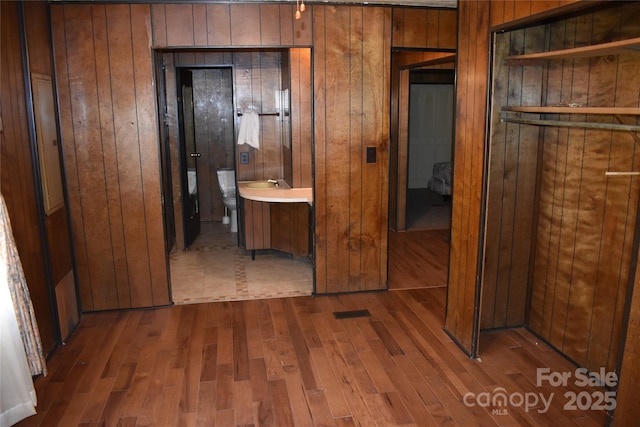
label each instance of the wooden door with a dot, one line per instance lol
(190, 155)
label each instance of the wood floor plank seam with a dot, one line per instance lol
(289, 362)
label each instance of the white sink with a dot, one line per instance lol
(262, 185)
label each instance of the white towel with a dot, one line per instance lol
(249, 130)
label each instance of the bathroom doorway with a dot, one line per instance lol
(223, 84)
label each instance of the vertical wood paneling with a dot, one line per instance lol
(109, 155)
(471, 66)
(473, 42)
(424, 28)
(340, 144)
(301, 116)
(375, 128)
(200, 28)
(40, 61)
(180, 25)
(17, 174)
(149, 155)
(218, 25)
(511, 187)
(627, 410)
(112, 147)
(269, 33)
(249, 33)
(586, 221)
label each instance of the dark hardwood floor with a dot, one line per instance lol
(418, 259)
(291, 362)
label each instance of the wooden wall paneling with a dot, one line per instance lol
(335, 34)
(552, 190)
(70, 162)
(627, 410)
(148, 142)
(109, 155)
(284, 120)
(447, 29)
(100, 292)
(128, 149)
(269, 81)
(495, 183)
(257, 224)
(375, 180)
(219, 24)
(526, 186)
(301, 117)
(270, 33)
(257, 77)
(462, 318)
(508, 224)
(424, 28)
(403, 150)
(115, 156)
(200, 27)
(590, 246)
(169, 60)
(356, 147)
(39, 48)
(415, 18)
(334, 66)
(180, 25)
(290, 228)
(17, 175)
(247, 33)
(159, 25)
(286, 19)
(320, 102)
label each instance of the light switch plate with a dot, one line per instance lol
(371, 154)
(244, 157)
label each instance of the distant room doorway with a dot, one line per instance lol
(419, 236)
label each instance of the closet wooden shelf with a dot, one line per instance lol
(625, 111)
(612, 48)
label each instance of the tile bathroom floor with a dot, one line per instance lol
(215, 268)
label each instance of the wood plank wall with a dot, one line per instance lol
(226, 25)
(475, 18)
(301, 117)
(511, 185)
(360, 228)
(424, 28)
(108, 106)
(39, 50)
(502, 13)
(586, 224)
(17, 174)
(469, 152)
(351, 67)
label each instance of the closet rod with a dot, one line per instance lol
(560, 123)
(610, 173)
(266, 114)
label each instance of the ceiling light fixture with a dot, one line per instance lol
(300, 7)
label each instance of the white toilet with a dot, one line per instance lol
(227, 183)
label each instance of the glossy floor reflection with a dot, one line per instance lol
(214, 268)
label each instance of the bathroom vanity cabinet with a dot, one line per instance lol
(274, 225)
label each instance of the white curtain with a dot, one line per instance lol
(20, 347)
